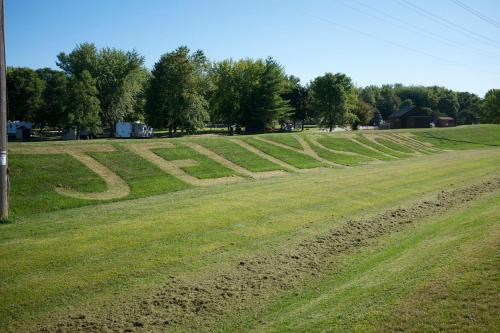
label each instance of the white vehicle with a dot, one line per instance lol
(13, 126)
(133, 130)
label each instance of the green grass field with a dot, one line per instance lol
(339, 158)
(239, 155)
(345, 144)
(204, 167)
(144, 177)
(33, 192)
(282, 254)
(380, 147)
(394, 146)
(291, 157)
(285, 139)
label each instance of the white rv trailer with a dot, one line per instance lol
(133, 130)
(16, 128)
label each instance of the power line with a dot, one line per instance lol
(476, 13)
(373, 36)
(449, 24)
(414, 28)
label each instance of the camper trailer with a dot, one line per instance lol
(19, 129)
(133, 130)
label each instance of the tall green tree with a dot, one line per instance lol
(55, 98)
(298, 98)
(24, 94)
(388, 102)
(469, 108)
(448, 103)
(176, 96)
(419, 95)
(333, 97)
(364, 113)
(82, 58)
(490, 110)
(249, 93)
(119, 77)
(225, 98)
(369, 94)
(84, 106)
(267, 105)
(407, 103)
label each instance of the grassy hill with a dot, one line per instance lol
(34, 192)
(370, 231)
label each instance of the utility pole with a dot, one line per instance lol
(4, 181)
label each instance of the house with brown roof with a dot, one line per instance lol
(411, 117)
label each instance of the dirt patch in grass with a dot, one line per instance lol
(198, 303)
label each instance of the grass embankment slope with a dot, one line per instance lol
(462, 137)
(95, 265)
(35, 192)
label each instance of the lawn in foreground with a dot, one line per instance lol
(439, 276)
(118, 250)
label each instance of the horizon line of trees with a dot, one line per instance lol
(96, 88)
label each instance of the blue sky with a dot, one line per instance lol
(419, 42)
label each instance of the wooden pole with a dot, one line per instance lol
(4, 182)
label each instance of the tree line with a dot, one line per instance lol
(95, 88)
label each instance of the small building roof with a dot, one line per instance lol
(445, 118)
